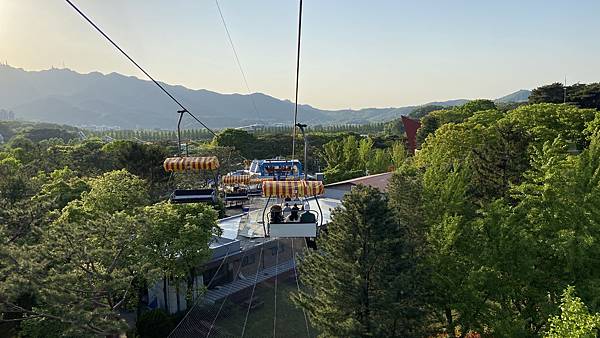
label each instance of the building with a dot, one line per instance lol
(339, 189)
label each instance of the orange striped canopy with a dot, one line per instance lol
(191, 163)
(235, 179)
(292, 188)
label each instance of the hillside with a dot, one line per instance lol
(518, 96)
(67, 97)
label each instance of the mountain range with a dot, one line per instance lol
(114, 100)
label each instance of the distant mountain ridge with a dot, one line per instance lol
(67, 97)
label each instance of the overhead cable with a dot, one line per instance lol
(237, 59)
(297, 77)
(138, 66)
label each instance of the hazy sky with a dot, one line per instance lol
(355, 53)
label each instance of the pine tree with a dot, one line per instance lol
(355, 281)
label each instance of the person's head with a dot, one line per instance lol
(295, 205)
(287, 204)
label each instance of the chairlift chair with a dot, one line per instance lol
(192, 164)
(308, 223)
(241, 182)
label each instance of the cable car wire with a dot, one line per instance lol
(297, 77)
(212, 325)
(252, 294)
(138, 66)
(298, 287)
(196, 302)
(237, 59)
(275, 287)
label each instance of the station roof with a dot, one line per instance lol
(379, 181)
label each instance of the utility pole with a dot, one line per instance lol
(180, 112)
(565, 88)
(302, 126)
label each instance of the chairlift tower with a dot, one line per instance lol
(302, 126)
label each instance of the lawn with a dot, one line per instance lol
(290, 319)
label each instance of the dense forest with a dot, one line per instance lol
(491, 229)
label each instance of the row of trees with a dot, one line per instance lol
(203, 134)
(581, 95)
(488, 231)
(354, 156)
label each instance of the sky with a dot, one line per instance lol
(355, 54)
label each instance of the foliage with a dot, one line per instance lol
(394, 127)
(434, 120)
(142, 160)
(546, 121)
(575, 320)
(580, 95)
(204, 135)
(357, 279)
(422, 111)
(155, 324)
(175, 238)
(352, 157)
(83, 269)
(508, 213)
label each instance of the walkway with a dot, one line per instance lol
(211, 296)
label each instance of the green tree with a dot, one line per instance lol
(379, 162)
(429, 124)
(241, 140)
(88, 261)
(424, 110)
(574, 321)
(143, 160)
(175, 238)
(356, 278)
(547, 121)
(394, 127)
(553, 93)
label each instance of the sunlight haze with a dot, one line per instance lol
(355, 54)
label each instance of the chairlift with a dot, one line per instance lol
(193, 164)
(306, 223)
(235, 188)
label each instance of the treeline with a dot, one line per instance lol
(490, 230)
(203, 134)
(340, 156)
(369, 128)
(153, 135)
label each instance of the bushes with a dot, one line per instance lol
(155, 324)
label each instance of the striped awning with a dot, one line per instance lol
(259, 180)
(235, 179)
(191, 163)
(292, 188)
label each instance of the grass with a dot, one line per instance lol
(290, 319)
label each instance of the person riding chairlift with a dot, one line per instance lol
(276, 214)
(293, 217)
